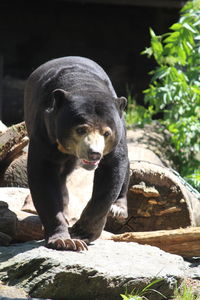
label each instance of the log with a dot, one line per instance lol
(16, 173)
(158, 198)
(183, 241)
(12, 142)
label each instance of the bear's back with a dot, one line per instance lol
(72, 74)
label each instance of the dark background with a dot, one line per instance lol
(112, 35)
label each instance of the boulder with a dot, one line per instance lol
(105, 271)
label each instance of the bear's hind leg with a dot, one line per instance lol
(119, 209)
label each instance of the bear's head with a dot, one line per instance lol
(87, 125)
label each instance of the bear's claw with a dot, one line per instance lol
(118, 212)
(70, 244)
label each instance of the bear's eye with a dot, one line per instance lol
(107, 133)
(81, 130)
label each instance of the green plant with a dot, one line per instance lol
(137, 114)
(140, 295)
(175, 87)
(185, 293)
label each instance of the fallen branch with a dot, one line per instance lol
(183, 241)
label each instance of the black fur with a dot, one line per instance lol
(50, 114)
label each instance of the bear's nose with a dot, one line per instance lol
(93, 156)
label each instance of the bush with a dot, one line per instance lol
(174, 90)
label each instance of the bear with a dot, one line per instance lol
(74, 117)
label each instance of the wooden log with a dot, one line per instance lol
(12, 141)
(183, 241)
(158, 198)
(16, 173)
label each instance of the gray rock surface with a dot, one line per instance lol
(102, 273)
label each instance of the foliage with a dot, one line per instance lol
(137, 114)
(194, 179)
(181, 293)
(185, 293)
(140, 295)
(174, 90)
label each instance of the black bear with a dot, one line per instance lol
(73, 116)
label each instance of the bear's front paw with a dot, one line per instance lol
(85, 234)
(63, 243)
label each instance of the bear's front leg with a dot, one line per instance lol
(46, 189)
(108, 182)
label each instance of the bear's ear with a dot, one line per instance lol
(60, 97)
(121, 104)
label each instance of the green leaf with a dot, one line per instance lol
(176, 26)
(148, 52)
(124, 297)
(173, 37)
(152, 33)
(189, 27)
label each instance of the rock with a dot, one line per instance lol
(5, 239)
(103, 272)
(15, 197)
(11, 292)
(8, 221)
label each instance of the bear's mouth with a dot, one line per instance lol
(89, 164)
